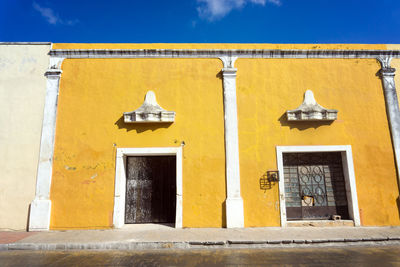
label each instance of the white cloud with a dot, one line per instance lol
(47, 13)
(276, 2)
(216, 9)
(261, 2)
(51, 16)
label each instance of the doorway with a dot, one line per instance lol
(150, 189)
(121, 168)
(314, 186)
(307, 174)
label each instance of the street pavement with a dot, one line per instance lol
(134, 237)
(332, 256)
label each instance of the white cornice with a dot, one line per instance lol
(212, 53)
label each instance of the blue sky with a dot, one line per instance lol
(201, 21)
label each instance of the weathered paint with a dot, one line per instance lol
(93, 96)
(22, 90)
(219, 46)
(95, 92)
(396, 64)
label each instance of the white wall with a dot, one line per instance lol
(22, 95)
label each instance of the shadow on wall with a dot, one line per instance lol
(266, 183)
(28, 218)
(398, 205)
(302, 125)
(220, 76)
(224, 214)
(140, 127)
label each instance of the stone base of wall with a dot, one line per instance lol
(322, 223)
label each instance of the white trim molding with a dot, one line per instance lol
(120, 179)
(234, 201)
(387, 74)
(348, 171)
(39, 216)
(218, 53)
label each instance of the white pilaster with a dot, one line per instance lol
(120, 190)
(39, 217)
(392, 106)
(234, 201)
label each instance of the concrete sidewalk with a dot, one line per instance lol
(159, 237)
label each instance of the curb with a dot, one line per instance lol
(201, 244)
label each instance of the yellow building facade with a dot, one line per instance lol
(231, 135)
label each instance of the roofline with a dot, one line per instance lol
(25, 43)
(218, 53)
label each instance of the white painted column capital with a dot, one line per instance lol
(387, 74)
(234, 201)
(228, 62)
(39, 217)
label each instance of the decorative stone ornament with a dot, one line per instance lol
(149, 112)
(310, 110)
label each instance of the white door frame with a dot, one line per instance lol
(348, 171)
(120, 179)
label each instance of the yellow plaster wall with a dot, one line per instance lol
(267, 88)
(94, 93)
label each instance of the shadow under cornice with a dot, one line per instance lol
(141, 127)
(301, 125)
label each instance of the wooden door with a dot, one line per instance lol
(150, 189)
